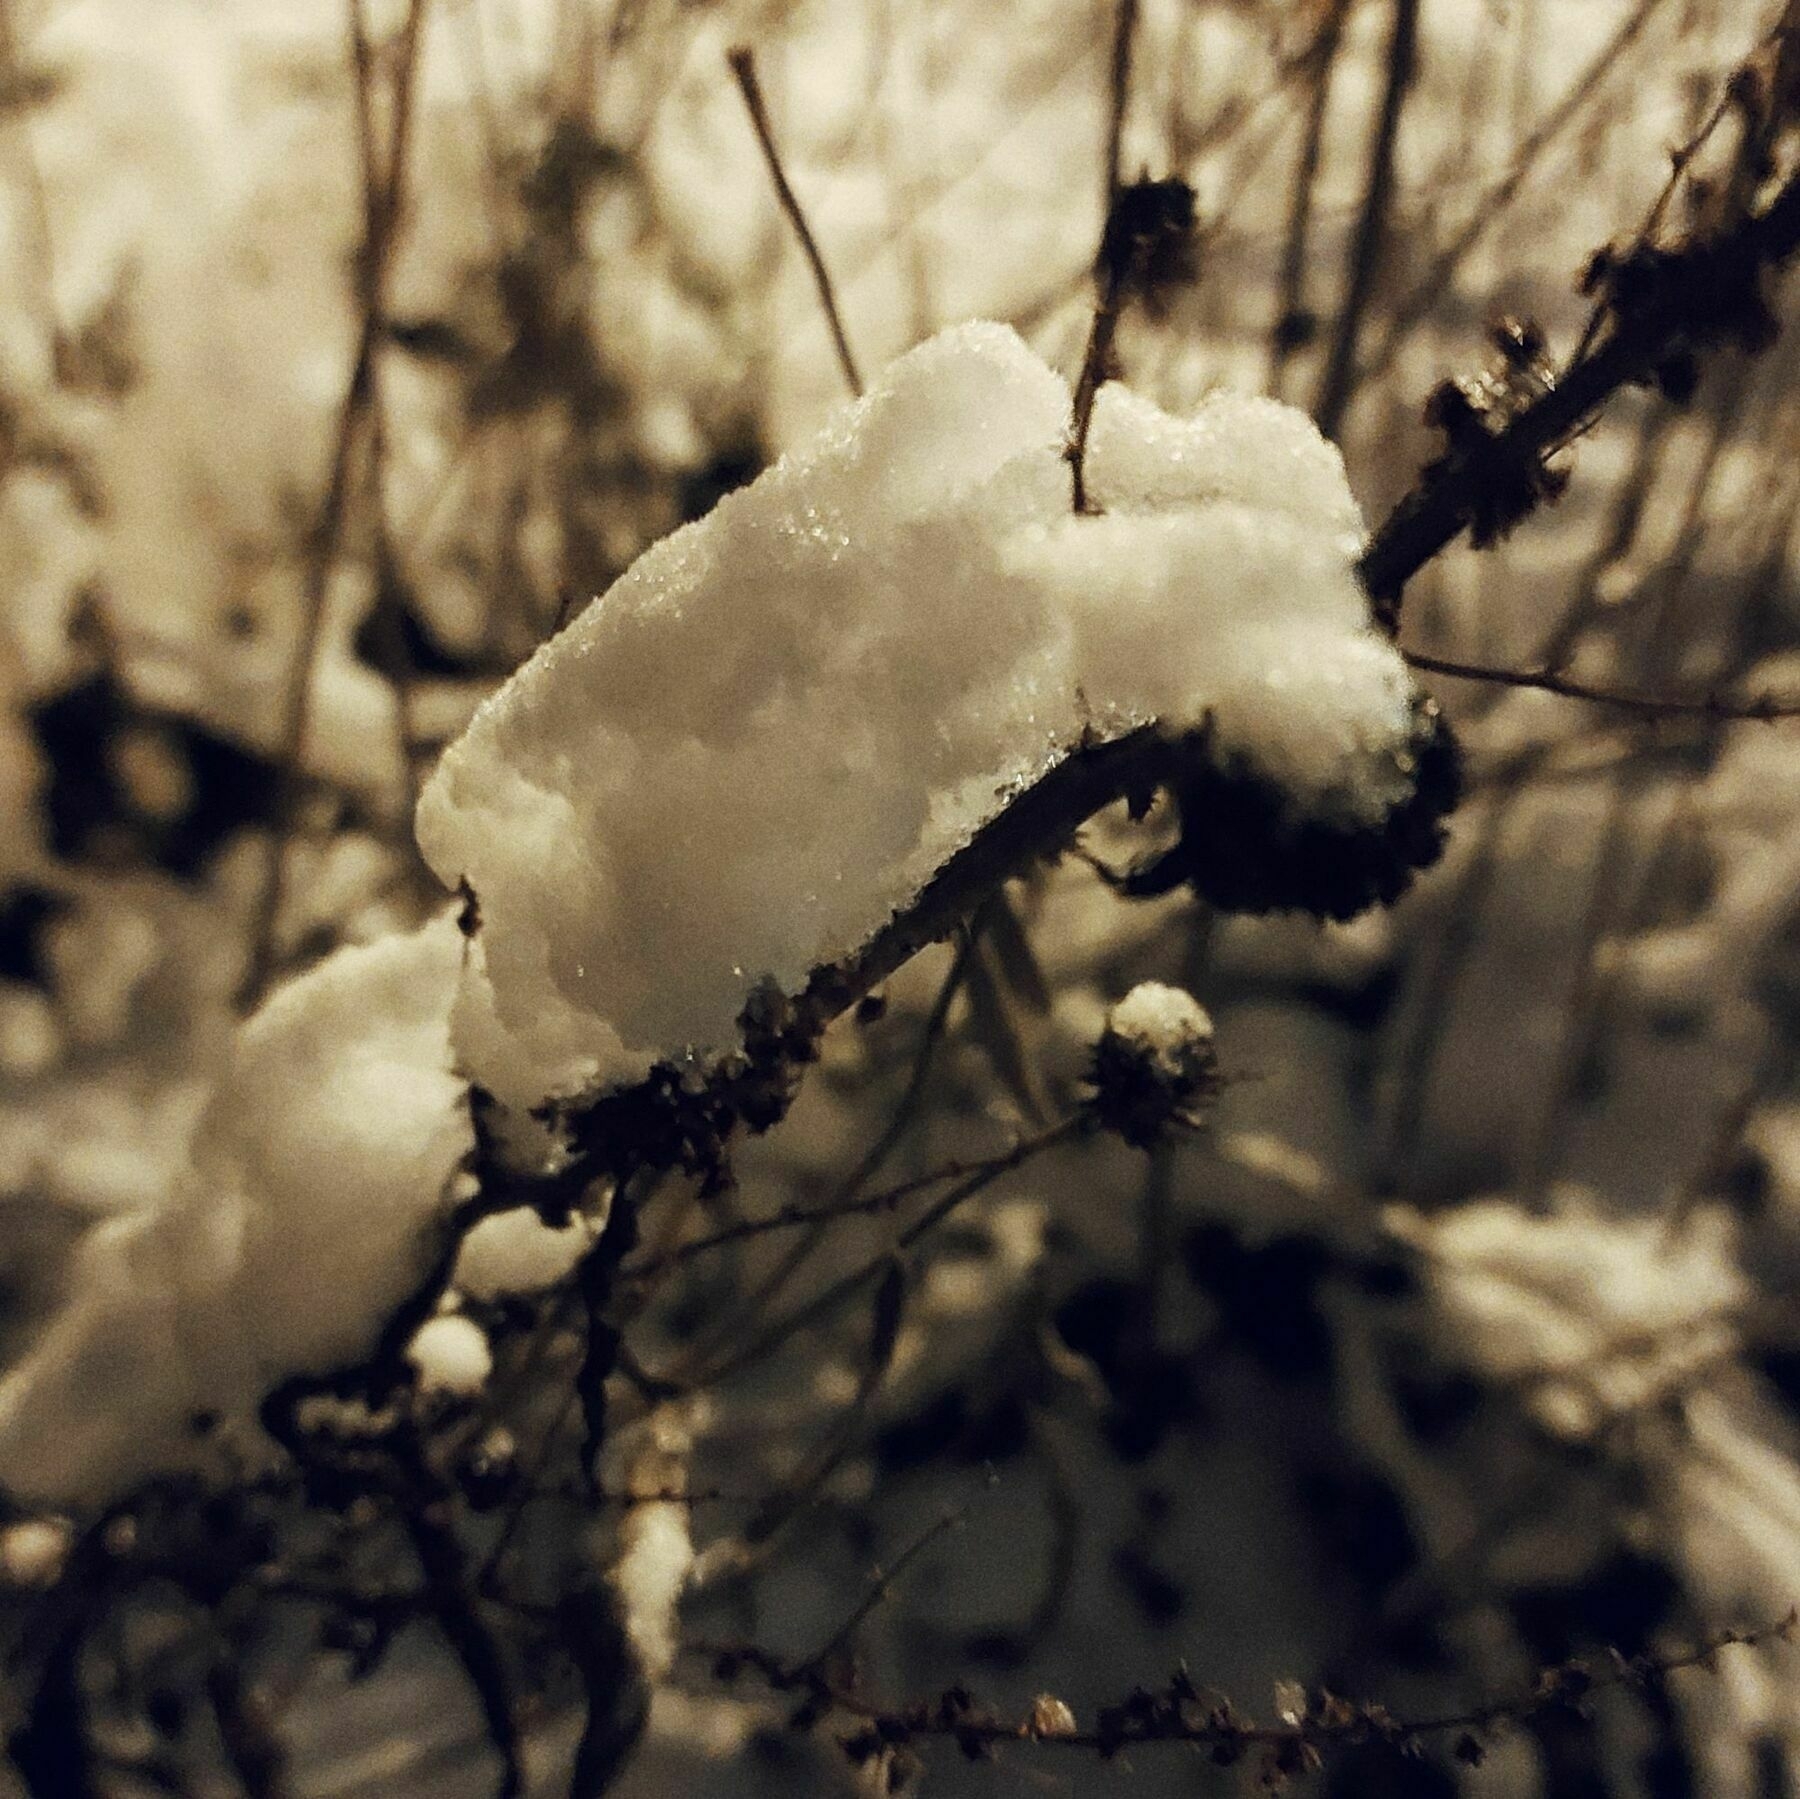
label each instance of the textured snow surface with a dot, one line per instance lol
(1167, 1023)
(299, 1223)
(772, 730)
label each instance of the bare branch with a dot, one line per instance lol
(1109, 265)
(1119, 98)
(1704, 294)
(823, 1304)
(879, 1590)
(1436, 280)
(1369, 241)
(1179, 1713)
(743, 69)
(867, 1205)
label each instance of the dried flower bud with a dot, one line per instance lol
(1148, 247)
(1154, 1064)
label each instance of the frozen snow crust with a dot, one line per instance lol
(765, 738)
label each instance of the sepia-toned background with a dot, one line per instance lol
(1465, 1340)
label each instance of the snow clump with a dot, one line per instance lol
(767, 736)
(33, 1551)
(516, 1252)
(302, 1218)
(450, 1355)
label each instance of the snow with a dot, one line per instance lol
(32, 1552)
(450, 1354)
(1599, 1313)
(773, 729)
(517, 1252)
(653, 1559)
(656, 1557)
(1166, 1024)
(300, 1220)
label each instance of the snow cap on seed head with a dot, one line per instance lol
(1154, 1064)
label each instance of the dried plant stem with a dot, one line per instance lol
(1680, 160)
(937, 1023)
(384, 175)
(1293, 320)
(824, 1303)
(1096, 361)
(1119, 98)
(868, 1205)
(743, 69)
(880, 1588)
(1113, 272)
(1179, 1714)
(1436, 512)
(1368, 242)
(1415, 305)
(779, 1278)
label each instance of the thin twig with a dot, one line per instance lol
(845, 1432)
(1118, 99)
(383, 183)
(795, 1217)
(743, 68)
(1762, 707)
(1431, 287)
(1112, 262)
(825, 1302)
(936, 1023)
(880, 1589)
(776, 1282)
(1096, 360)
(1680, 160)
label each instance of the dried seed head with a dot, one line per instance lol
(1155, 1064)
